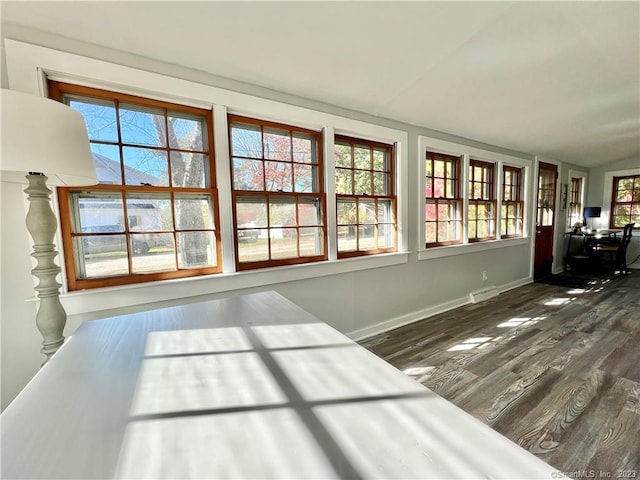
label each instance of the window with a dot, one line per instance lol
(277, 194)
(625, 203)
(512, 207)
(153, 214)
(575, 202)
(481, 218)
(443, 203)
(365, 198)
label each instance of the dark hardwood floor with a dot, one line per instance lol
(554, 369)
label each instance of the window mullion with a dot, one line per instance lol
(225, 201)
(330, 192)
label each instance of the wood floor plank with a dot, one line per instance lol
(556, 370)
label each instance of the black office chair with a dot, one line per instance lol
(617, 251)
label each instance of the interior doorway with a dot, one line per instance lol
(545, 219)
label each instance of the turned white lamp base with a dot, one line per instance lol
(42, 224)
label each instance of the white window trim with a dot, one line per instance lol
(28, 67)
(499, 159)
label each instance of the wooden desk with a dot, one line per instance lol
(246, 387)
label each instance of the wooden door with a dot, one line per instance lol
(545, 218)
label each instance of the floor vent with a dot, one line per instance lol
(484, 294)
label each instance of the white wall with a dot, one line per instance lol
(356, 297)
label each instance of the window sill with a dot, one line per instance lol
(90, 302)
(449, 250)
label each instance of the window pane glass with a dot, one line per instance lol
(107, 161)
(278, 176)
(253, 248)
(428, 188)
(282, 212)
(303, 148)
(343, 155)
(449, 169)
(196, 249)
(362, 157)
(153, 252)
(347, 241)
(385, 235)
(438, 188)
(438, 168)
(367, 237)
(380, 160)
(430, 232)
(380, 183)
(347, 212)
(193, 212)
(430, 211)
(187, 132)
(366, 211)
(248, 174)
(277, 144)
(246, 141)
(309, 212)
(450, 185)
(305, 176)
(99, 117)
(385, 214)
(344, 183)
(284, 243)
(189, 170)
(142, 126)
(98, 212)
(101, 256)
(145, 166)
(362, 183)
(311, 241)
(251, 212)
(149, 212)
(428, 168)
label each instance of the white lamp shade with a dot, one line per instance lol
(44, 136)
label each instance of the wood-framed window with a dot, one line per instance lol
(481, 219)
(512, 206)
(575, 201)
(443, 202)
(277, 193)
(365, 199)
(625, 201)
(154, 213)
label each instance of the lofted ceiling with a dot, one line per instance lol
(559, 79)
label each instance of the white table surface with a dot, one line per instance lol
(245, 387)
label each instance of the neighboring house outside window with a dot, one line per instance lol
(625, 202)
(443, 201)
(512, 207)
(365, 199)
(153, 215)
(575, 202)
(481, 219)
(277, 191)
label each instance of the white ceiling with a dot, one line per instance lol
(559, 79)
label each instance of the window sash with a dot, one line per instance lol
(126, 232)
(365, 197)
(511, 225)
(274, 155)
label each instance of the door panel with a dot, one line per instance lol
(545, 218)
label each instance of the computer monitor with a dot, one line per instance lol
(590, 212)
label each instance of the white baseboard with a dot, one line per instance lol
(425, 313)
